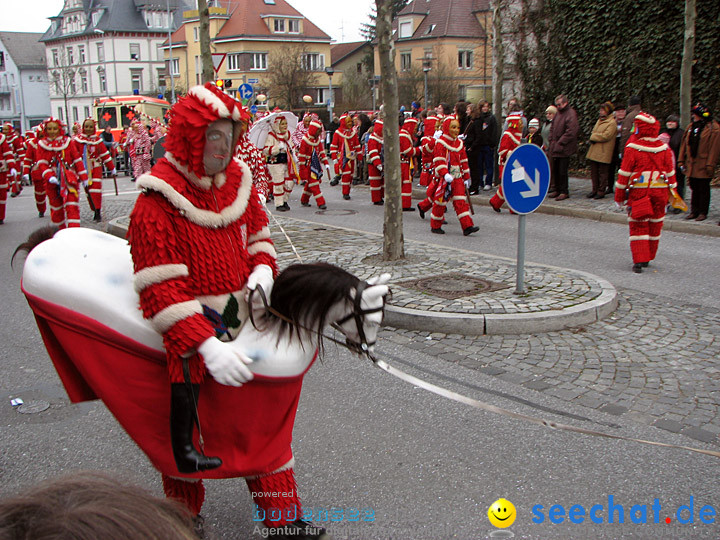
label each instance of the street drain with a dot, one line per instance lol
(33, 406)
(453, 285)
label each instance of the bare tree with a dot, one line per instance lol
(287, 75)
(208, 72)
(498, 60)
(64, 78)
(355, 95)
(687, 62)
(393, 243)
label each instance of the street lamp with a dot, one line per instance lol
(330, 72)
(427, 66)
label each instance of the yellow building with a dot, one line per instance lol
(255, 39)
(448, 42)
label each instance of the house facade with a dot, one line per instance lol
(248, 36)
(447, 41)
(24, 97)
(99, 48)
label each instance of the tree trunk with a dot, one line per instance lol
(498, 61)
(208, 72)
(393, 248)
(687, 63)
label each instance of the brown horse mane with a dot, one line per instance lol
(36, 237)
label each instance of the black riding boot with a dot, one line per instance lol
(182, 420)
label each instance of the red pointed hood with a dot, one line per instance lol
(429, 126)
(410, 125)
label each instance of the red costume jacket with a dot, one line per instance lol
(94, 154)
(344, 142)
(450, 157)
(61, 156)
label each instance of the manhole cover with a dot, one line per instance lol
(453, 285)
(33, 406)
(337, 212)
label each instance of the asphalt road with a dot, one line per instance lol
(419, 466)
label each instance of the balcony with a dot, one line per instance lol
(5, 89)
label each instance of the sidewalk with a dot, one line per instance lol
(578, 205)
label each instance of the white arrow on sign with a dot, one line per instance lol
(519, 174)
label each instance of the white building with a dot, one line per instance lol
(98, 48)
(24, 99)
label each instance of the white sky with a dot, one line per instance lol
(340, 19)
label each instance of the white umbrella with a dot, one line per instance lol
(261, 128)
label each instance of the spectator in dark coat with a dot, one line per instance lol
(462, 116)
(675, 136)
(563, 144)
(481, 142)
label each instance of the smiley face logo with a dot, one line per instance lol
(502, 513)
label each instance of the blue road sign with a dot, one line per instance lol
(253, 81)
(526, 178)
(245, 90)
(253, 109)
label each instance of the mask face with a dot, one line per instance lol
(306, 121)
(88, 128)
(454, 129)
(282, 126)
(6, 130)
(349, 122)
(218, 146)
(52, 130)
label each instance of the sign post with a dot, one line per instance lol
(525, 182)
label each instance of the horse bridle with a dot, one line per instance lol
(358, 314)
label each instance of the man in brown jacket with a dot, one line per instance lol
(563, 144)
(699, 155)
(600, 153)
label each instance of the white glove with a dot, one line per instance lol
(85, 184)
(54, 180)
(262, 275)
(467, 184)
(13, 172)
(379, 168)
(26, 177)
(225, 364)
(437, 135)
(448, 177)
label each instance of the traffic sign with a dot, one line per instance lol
(253, 109)
(246, 91)
(526, 178)
(217, 60)
(253, 81)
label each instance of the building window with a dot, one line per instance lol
(83, 83)
(76, 115)
(2, 61)
(405, 29)
(70, 56)
(101, 52)
(86, 110)
(294, 26)
(233, 62)
(72, 86)
(405, 61)
(321, 96)
(279, 25)
(134, 51)
(198, 69)
(103, 82)
(55, 58)
(196, 33)
(136, 80)
(161, 77)
(258, 61)
(81, 55)
(60, 114)
(313, 62)
(359, 67)
(465, 59)
(175, 67)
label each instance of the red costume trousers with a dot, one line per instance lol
(312, 187)
(346, 175)
(645, 233)
(377, 184)
(64, 207)
(4, 185)
(406, 184)
(39, 189)
(426, 204)
(457, 195)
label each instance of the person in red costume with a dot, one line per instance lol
(647, 170)
(61, 167)
(408, 151)
(280, 162)
(199, 241)
(509, 141)
(375, 164)
(427, 176)
(344, 150)
(311, 160)
(31, 170)
(94, 156)
(15, 140)
(140, 143)
(451, 168)
(8, 171)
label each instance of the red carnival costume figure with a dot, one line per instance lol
(140, 144)
(253, 157)
(647, 171)
(375, 159)
(451, 168)
(311, 160)
(509, 141)
(301, 130)
(94, 155)
(427, 176)
(62, 169)
(8, 170)
(31, 170)
(344, 150)
(199, 242)
(15, 140)
(280, 162)
(408, 152)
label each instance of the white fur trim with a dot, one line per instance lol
(262, 234)
(157, 274)
(211, 100)
(646, 118)
(168, 317)
(198, 216)
(651, 149)
(262, 247)
(457, 145)
(204, 182)
(640, 237)
(512, 136)
(44, 145)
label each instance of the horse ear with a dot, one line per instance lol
(382, 279)
(376, 291)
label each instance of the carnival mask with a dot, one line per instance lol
(218, 146)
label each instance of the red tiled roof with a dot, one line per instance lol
(246, 20)
(452, 18)
(340, 50)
